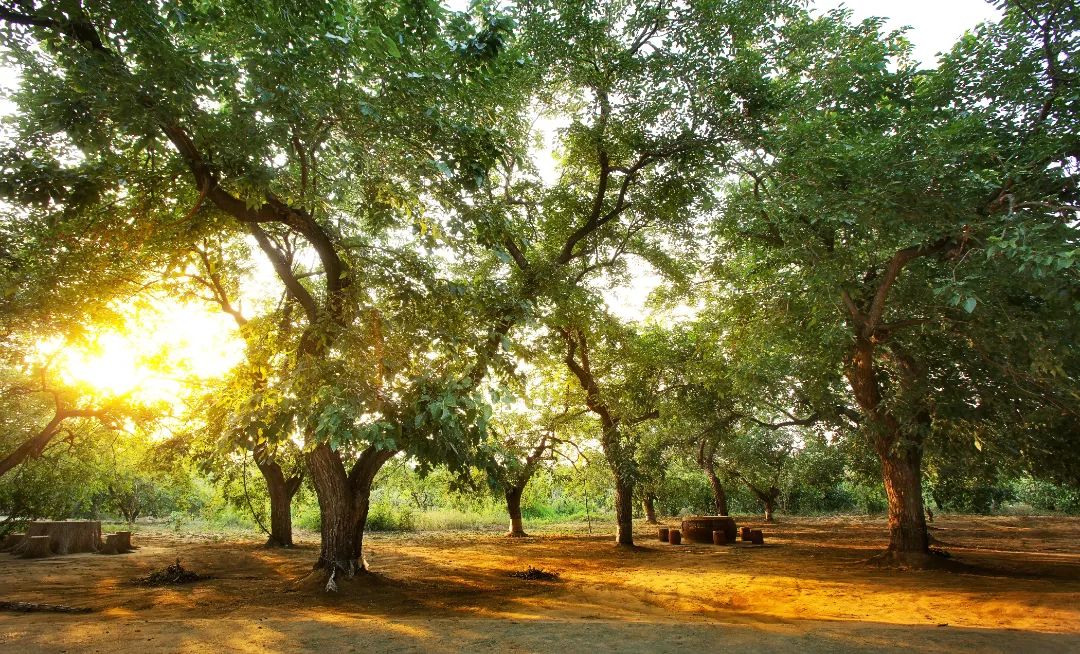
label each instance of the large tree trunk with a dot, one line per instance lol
(281, 491)
(769, 506)
(339, 550)
(649, 503)
(513, 507)
(901, 468)
(720, 503)
(344, 500)
(624, 510)
(900, 452)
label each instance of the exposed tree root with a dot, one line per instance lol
(339, 579)
(516, 534)
(932, 559)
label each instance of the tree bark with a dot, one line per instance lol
(513, 507)
(649, 504)
(344, 500)
(281, 491)
(901, 468)
(720, 503)
(624, 510)
(769, 510)
(900, 453)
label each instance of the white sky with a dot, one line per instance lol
(934, 24)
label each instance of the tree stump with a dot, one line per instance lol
(719, 538)
(67, 536)
(36, 547)
(674, 537)
(699, 529)
(12, 541)
(744, 534)
(756, 537)
(111, 545)
(124, 538)
(662, 532)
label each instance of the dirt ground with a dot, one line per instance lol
(804, 591)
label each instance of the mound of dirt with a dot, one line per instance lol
(174, 575)
(536, 574)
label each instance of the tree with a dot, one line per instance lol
(198, 91)
(880, 190)
(619, 385)
(654, 455)
(656, 99)
(214, 278)
(530, 432)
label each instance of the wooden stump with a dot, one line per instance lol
(744, 534)
(719, 538)
(67, 536)
(37, 547)
(662, 533)
(699, 529)
(674, 537)
(112, 544)
(124, 544)
(12, 542)
(756, 537)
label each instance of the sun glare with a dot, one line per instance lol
(159, 355)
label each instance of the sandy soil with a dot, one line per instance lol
(804, 591)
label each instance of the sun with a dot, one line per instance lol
(160, 353)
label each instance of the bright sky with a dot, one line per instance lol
(935, 24)
(157, 356)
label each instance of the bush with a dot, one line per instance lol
(390, 517)
(1046, 496)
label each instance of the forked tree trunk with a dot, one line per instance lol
(513, 507)
(900, 454)
(649, 503)
(344, 500)
(720, 504)
(281, 491)
(624, 510)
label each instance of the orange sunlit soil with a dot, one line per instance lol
(804, 591)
